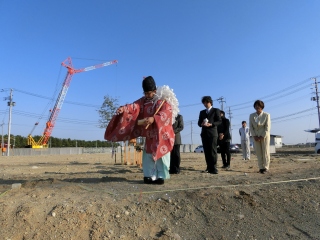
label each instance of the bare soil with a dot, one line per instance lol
(92, 197)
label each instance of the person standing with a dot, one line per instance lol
(224, 140)
(244, 132)
(150, 117)
(175, 152)
(260, 125)
(209, 119)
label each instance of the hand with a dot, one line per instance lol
(206, 124)
(119, 110)
(221, 136)
(256, 138)
(149, 120)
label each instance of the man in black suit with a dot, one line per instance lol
(175, 152)
(209, 119)
(224, 140)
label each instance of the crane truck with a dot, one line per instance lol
(43, 141)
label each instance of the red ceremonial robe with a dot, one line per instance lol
(159, 135)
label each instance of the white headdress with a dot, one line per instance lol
(167, 94)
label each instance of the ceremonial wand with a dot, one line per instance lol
(157, 111)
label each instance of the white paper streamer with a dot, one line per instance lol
(165, 93)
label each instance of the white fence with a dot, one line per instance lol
(186, 148)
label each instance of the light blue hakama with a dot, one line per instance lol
(156, 169)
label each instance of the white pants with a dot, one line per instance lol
(245, 145)
(262, 149)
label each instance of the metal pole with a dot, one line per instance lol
(230, 127)
(317, 98)
(10, 103)
(2, 143)
(191, 134)
(221, 101)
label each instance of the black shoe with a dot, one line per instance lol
(174, 172)
(224, 166)
(261, 171)
(214, 171)
(147, 180)
(159, 181)
(205, 171)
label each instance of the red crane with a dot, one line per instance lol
(43, 141)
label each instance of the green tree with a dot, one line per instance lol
(107, 110)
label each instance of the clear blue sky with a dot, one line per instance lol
(238, 50)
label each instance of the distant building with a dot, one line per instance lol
(275, 142)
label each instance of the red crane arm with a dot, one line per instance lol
(65, 86)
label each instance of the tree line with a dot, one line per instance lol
(18, 141)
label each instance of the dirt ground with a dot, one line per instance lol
(92, 197)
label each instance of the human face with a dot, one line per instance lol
(244, 125)
(149, 94)
(258, 109)
(207, 105)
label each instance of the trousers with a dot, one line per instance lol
(262, 149)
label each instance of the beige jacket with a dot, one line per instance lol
(260, 126)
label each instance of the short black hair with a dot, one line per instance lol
(258, 103)
(206, 99)
(243, 122)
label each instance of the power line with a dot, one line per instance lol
(69, 102)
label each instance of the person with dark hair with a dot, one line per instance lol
(151, 117)
(175, 158)
(224, 140)
(260, 125)
(209, 119)
(244, 132)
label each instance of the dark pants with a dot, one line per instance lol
(175, 159)
(210, 152)
(225, 152)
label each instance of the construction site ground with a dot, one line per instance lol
(93, 197)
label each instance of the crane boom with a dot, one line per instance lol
(43, 141)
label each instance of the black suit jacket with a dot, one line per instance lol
(177, 128)
(214, 118)
(224, 128)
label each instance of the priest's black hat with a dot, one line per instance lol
(148, 84)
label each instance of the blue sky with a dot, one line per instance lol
(239, 50)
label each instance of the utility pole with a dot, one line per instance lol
(2, 143)
(191, 134)
(230, 130)
(316, 98)
(10, 104)
(221, 101)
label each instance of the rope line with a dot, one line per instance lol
(227, 186)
